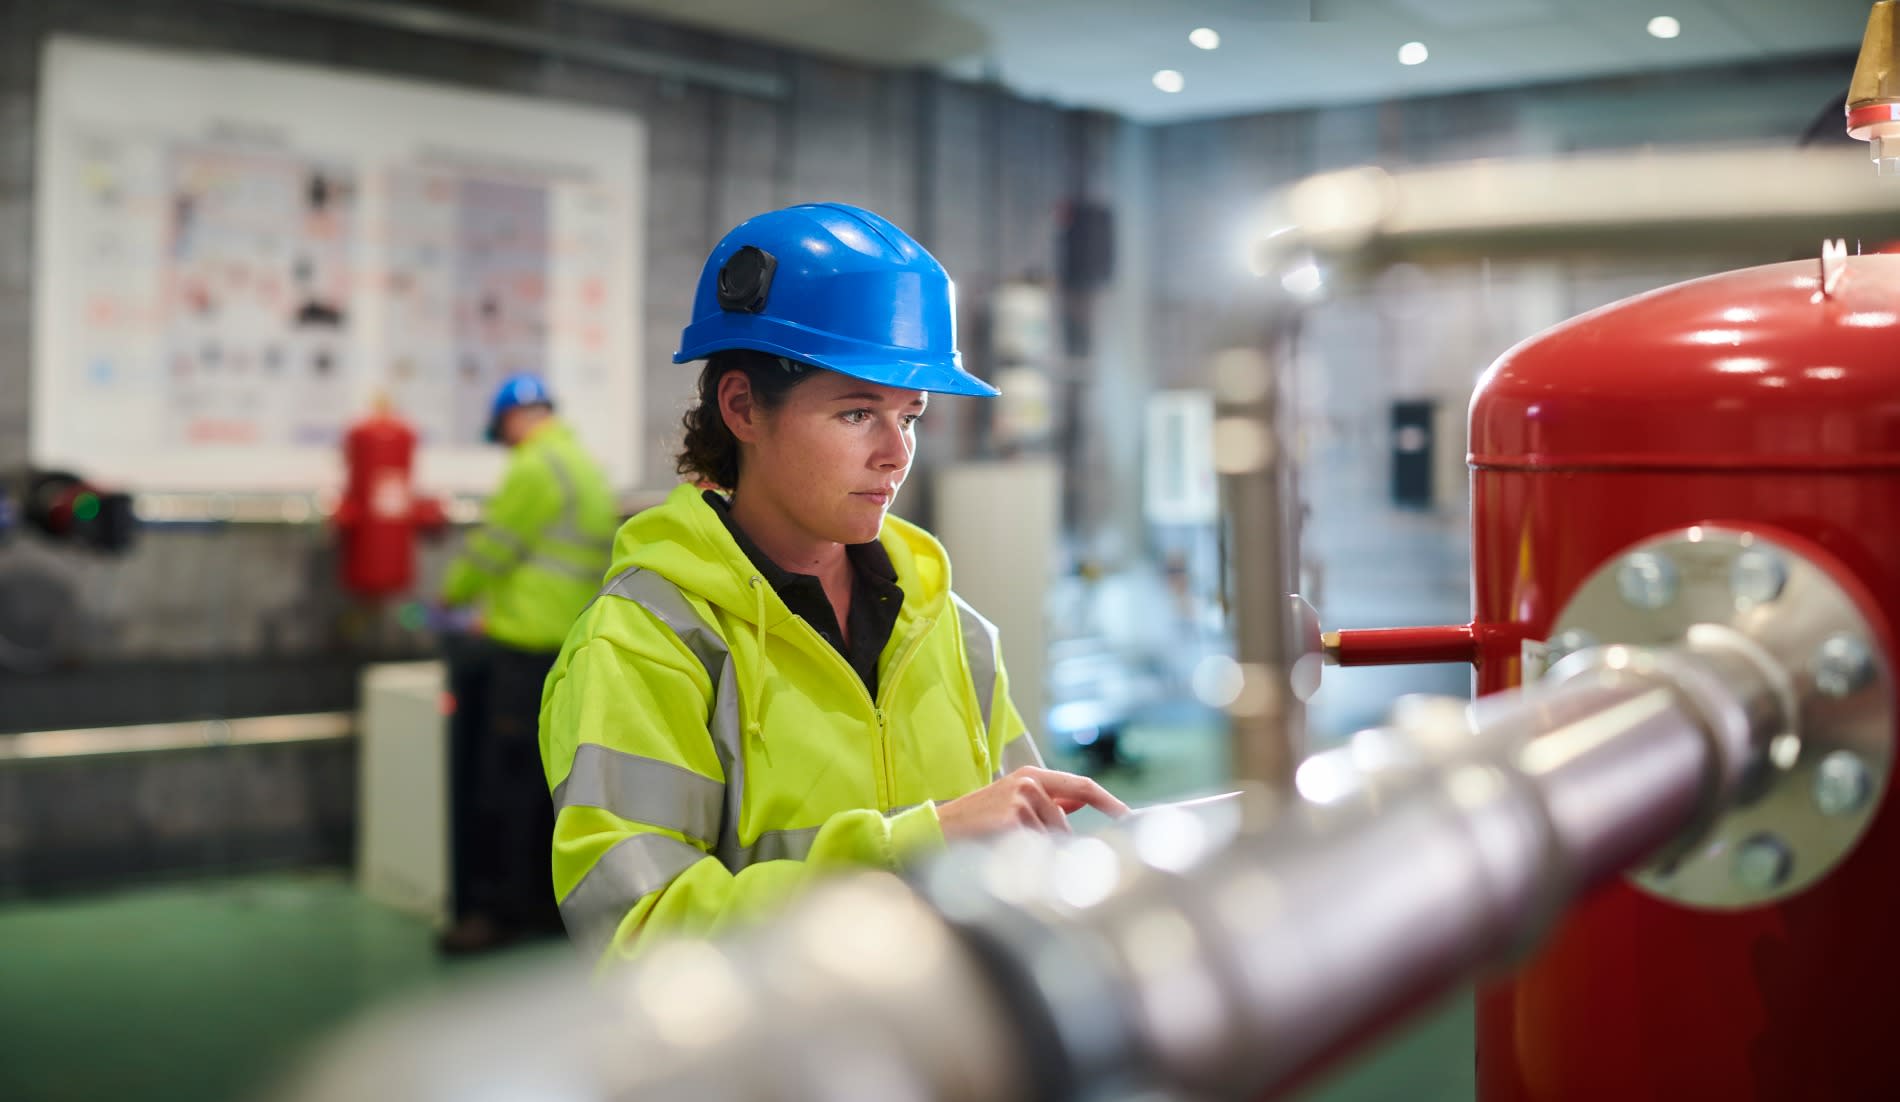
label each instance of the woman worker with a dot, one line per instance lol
(777, 680)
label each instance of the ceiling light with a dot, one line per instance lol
(1413, 53)
(1207, 38)
(1169, 81)
(1303, 281)
(1665, 26)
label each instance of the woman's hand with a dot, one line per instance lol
(1039, 799)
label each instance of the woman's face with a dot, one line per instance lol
(830, 460)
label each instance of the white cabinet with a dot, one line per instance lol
(402, 834)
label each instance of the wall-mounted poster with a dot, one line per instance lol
(236, 258)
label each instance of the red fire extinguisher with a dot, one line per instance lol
(380, 514)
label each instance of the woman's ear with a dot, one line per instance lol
(737, 408)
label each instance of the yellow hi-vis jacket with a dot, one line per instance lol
(535, 561)
(709, 751)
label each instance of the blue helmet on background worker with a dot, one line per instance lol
(835, 286)
(524, 388)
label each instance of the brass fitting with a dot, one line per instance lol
(1873, 96)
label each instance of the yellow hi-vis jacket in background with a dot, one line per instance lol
(536, 560)
(709, 751)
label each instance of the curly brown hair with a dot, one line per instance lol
(710, 453)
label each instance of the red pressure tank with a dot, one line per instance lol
(1770, 397)
(379, 514)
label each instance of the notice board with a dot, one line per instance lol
(235, 258)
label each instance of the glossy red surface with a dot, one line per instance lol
(1415, 646)
(1617, 426)
(1406, 646)
(376, 515)
(1859, 118)
(1744, 371)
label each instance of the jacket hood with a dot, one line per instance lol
(683, 541)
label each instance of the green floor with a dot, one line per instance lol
(195, 992)
(205, 992)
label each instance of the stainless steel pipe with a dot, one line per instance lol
(1158, 956)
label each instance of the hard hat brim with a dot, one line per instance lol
(934, 375)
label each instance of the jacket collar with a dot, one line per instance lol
(684, 541)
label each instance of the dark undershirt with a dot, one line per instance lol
(876, 597)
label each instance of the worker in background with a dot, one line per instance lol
(777, 679)
(528, 570)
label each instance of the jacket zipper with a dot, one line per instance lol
(886, 773)
(910, 648)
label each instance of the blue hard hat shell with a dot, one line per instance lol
(524, 388)
(849, 291)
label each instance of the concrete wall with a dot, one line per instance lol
(212, 619)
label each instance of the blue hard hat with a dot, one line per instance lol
(836, 286)
(524, 388)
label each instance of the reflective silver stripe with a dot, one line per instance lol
(979, 648)
(634, 868)
(492, 567)
(562, 566)
(667, 604)
(566, 528)
(511, 545)
(1021, 751)
(728, 743)
(569, 533)
(646, 790)
(791, 845)
(491, 561)
(564, 479)
(775, 845)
